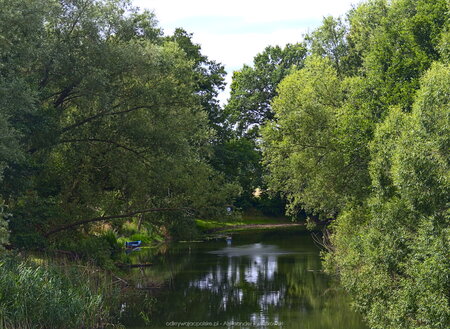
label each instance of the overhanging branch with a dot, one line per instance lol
(103, 218)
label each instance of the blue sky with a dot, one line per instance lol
(232, 32)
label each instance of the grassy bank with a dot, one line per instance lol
(251, 219)
(36, 293)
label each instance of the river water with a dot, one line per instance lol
(266, 279)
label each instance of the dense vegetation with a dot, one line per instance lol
(360, 137)
(109, 128)
(107, 131)
(104, 119)
(41, 296)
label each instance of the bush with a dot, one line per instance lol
(184, 228)
(102, 250)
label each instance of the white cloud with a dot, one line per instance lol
(237, 49)
(232, 32)
(170, 11)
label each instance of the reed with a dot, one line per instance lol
(53, 293)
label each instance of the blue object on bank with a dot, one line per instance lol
(133, 244)
(229, 239)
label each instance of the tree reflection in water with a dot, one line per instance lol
(263, 283)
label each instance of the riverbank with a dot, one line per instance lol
(46, 292)
(245, 227)
(49, 276)
(250, 219)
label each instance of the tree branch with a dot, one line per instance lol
(98, 140)
(102, 141)
(106, 112)
(103, 218)
(102, 114)
(64, 94)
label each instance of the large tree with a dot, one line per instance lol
(111, 120)
(254, 87)
(316, 148)
(329, 40)
(249, 106)
(367, 145)
(392, 252)
(209, 79)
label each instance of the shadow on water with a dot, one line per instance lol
(261, 280)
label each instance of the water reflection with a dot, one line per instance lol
(254, 265)
(264, 284)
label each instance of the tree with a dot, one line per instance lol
(329, 40)
(392, 252)
(209, 80)
(249, 106)
(112, 124)
(364, 21)
(239, 161)
(315, 150)
(401, 48)
(253, 88)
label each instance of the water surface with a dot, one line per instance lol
(262, 280)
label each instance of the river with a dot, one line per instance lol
(264, 279)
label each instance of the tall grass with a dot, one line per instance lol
(49, 295)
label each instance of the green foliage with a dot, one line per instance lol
(102, 116)
(367, 143)
(249, 106)
(270, 204)
(315, 149)
(33, 296)
(329, 41)
(401, 46)
(253, 88)
(4, 231)
(444, 45)
(184, 228)
(239, 160)
(364, 22)
(102, 250)
(209, 80)
(401, 235)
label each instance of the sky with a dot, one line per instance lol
(232, 32)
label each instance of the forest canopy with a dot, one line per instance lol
(102, 116)
(360, 139)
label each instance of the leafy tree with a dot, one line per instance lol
(329, 40)
(209, 79)
(239, 160)
(112, 125)
(364, 21)
(253, 88)
(392, 252)
(402, 47)
(249, 106)
(368, 147)
(315, 148)
(10, 154)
